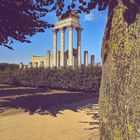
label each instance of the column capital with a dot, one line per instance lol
(70, 27)
(79, 29)
(55, 30)
(63, 28)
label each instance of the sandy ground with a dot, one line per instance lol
(36, 114)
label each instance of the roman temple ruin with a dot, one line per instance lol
(71, 57)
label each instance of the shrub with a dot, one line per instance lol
(78, 79)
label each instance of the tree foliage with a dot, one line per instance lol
(20, 19)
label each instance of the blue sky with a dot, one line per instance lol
(92, 35)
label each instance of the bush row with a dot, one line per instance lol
(78, 79)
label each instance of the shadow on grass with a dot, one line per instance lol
(45, 103)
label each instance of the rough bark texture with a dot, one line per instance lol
(120, 87)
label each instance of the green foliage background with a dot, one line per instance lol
(77, 79)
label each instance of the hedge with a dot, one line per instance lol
(77, 79)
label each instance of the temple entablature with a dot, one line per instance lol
(72, 20)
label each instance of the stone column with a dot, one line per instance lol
(35, 64)
(65, 61)
(48, 59)
(30, 65)
(62, 48)
(25, 66)
(86, 58)
(79, 46)
(21, 65)
(75, 61)
(92, 60)
(70, 51)
(55, 48)
(58, 59)
(41, 64)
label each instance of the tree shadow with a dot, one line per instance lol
(21, 91)
(32, 101)
(94, 112)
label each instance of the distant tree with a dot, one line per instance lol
(6, 66)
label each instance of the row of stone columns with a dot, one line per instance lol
(70, 46)
(32, 65)
(48, 63)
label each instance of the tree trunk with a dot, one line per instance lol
(120, 86)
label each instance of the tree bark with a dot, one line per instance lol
(120, 86)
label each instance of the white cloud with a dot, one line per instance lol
(94, 16)
(89, 17)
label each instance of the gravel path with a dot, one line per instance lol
(38, 114)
